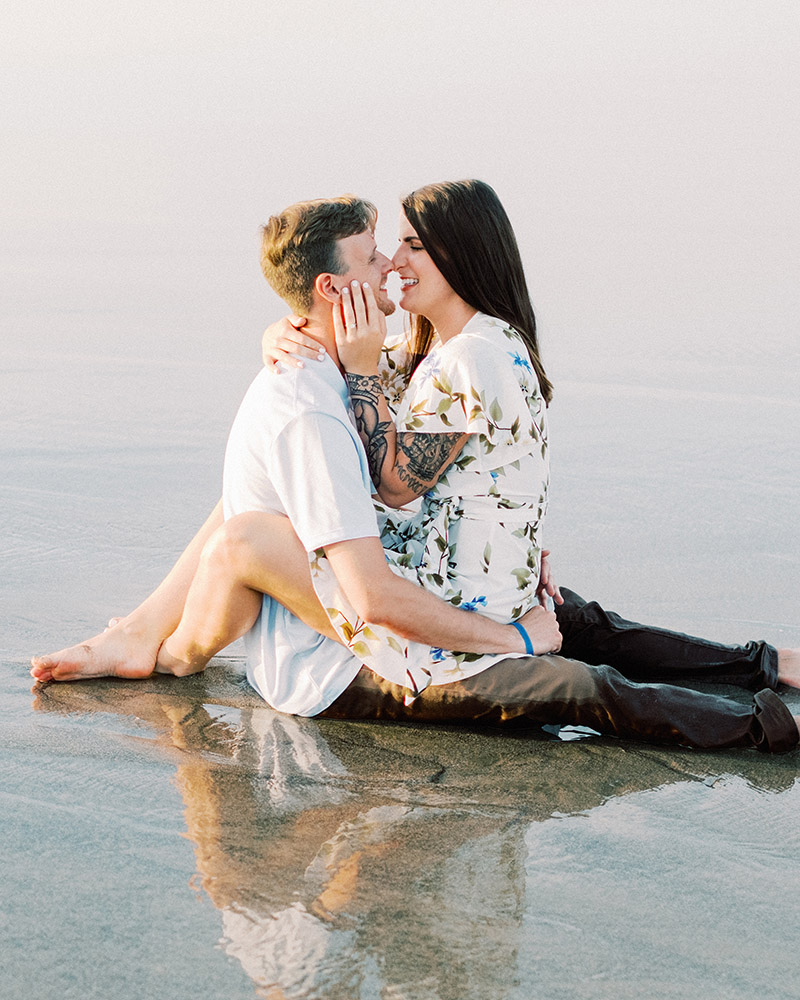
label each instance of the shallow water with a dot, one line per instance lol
(178, 838)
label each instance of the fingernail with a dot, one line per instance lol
(346, 290)
(355, 284)
(321, 356)
(300, 364)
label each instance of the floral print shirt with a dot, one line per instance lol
(473, 539)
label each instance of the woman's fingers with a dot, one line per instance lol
(347, 310)
(375, 314)
(338, 323)
(360, 309)
(285, 338)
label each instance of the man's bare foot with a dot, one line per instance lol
(789, 667)
(121, 651)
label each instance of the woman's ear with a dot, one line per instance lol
(327, 286)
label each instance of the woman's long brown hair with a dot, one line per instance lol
(465, 229)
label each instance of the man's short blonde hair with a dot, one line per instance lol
(301, 243)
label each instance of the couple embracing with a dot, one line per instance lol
(378, 541)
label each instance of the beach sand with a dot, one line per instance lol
(177, 838)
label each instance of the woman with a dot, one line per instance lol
(469, 436)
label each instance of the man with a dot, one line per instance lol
(294, 450)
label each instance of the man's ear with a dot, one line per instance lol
(327, 286)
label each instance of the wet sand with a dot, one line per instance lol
(178, 838)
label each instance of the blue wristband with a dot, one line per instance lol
(525, 638)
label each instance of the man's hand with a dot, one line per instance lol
(543, 631)
(283, 339)
(360, 329)
(547, 587)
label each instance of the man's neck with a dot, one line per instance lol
(320, 328)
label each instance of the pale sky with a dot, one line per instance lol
(646, 152)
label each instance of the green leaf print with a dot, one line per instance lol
(523, 578)
(360, 649)
(395, 645)
(495, 411)
(444, 406)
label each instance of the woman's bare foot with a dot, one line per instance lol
(120, 651)
(789, 667)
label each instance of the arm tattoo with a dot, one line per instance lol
(421, 458)
(365, 393)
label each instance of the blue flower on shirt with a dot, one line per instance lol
(473, 604)
(437, 654)
(521, 362)
(430, 366)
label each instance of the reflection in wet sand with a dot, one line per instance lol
(359, 860)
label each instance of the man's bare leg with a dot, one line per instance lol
(789, 667)
(129, 648)
(250, 555)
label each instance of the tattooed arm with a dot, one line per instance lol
(402, 465)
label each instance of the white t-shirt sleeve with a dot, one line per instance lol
(320, 475)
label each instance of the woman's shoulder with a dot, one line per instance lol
(486, 333)
(491, 347)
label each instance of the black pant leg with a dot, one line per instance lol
(551, 690)
(646, 653)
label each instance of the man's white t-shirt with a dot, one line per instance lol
(293, 449)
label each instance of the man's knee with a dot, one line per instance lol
(224, 550)
(561, 679)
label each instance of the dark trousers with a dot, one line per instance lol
(614, 676)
